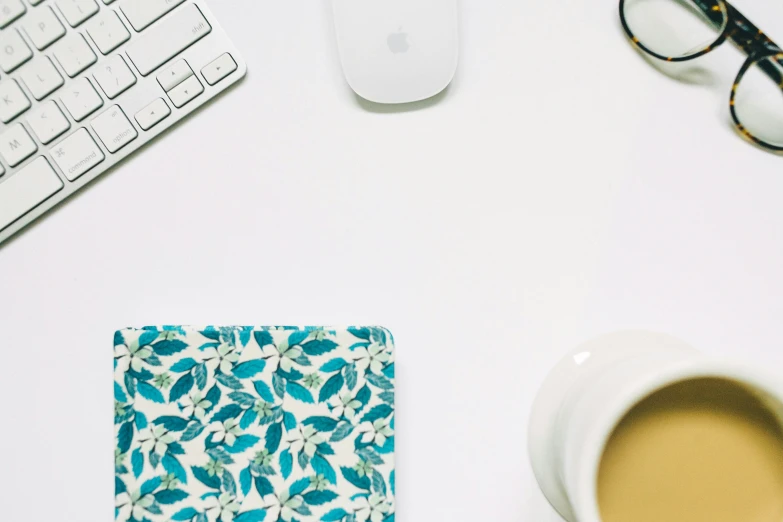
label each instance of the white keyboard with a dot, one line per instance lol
(84, 83)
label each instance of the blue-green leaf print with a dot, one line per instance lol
(245, 481)
(263, 391)
(299, 392)
(335, 515)
(137, 462)
(149, 392)
(256, 515)
(331, 388)
(267, 424)
(286, 463)
(249, 369)
(186, 514)
(273, 436)
(352, 476)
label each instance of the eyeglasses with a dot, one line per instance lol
(680, 30)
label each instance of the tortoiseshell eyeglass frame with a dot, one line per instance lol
(736, 28)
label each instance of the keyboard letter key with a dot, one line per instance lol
(10, 10)
(142, 13)
(77, 154)
(16, 145)
(114, 129)
(13, 100)
(41, 77)
(26, 189)
(169, 38)
(43, 28)
(13, 51)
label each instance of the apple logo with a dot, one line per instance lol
(398, 42)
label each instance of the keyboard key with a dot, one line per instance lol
(178, 72)
(27, 189)
(114, 76)
(107, 31)
(74, 54)
(13, 100)
(81, 99)
(219, 69)
(41, 77)
(43, 28)
(185, 91)
(142, 13)
(152, 114)
(114, 129)
(16, 145)
(10, 10)
(167, 39)
(77, 11)
(77, 154)
(15, 51)
(48, 122)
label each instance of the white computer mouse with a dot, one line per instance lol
(397, 51)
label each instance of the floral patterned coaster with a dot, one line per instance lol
(252, 424)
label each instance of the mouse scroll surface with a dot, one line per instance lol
(397, 51)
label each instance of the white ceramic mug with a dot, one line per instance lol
(594, 387)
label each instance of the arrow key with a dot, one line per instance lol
(174, 75)
(185, 91)
(152, 114)
(219, 69)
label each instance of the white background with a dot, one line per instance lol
(561, 188)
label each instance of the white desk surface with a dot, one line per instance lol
(560, 189)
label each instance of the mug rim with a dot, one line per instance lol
(586, 503)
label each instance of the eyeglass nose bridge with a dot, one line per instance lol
(719, 6)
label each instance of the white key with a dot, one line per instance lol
(168, 38)
(107, 31)
(142, 13)
(114, 76)
(175, 74)
(219, 69)
(77, 154)
(185, 91)
(10, 10)
(48, 122)
(16, 145)
(114, 129)
(43, 27)
(74, 54)
(77, 11)
(13, 51)
(26, 189)
(153, 114)
(81, 99)
(41, 77)
(13, 100)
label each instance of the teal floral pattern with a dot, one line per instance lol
(250, 424)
